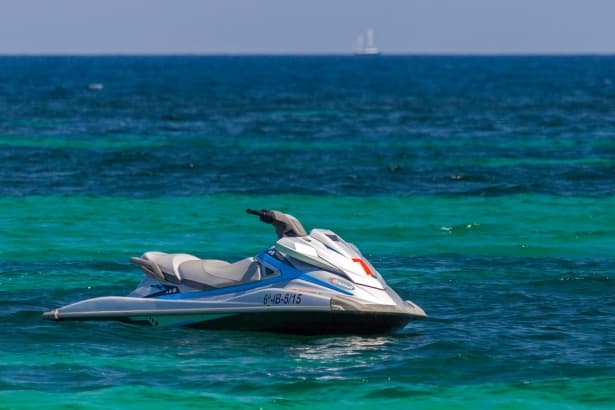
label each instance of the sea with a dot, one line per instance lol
(481, 187)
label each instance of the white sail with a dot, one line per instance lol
(360, 43)
(370, 38)
(368, 49)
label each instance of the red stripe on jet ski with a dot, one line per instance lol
(363, 265)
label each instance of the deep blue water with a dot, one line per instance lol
(392, 125)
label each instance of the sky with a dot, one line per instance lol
(306, 27)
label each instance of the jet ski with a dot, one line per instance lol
(314, 283)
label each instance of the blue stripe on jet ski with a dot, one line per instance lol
(286, 273)
(229, 289)
(283, 267)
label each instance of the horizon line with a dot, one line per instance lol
(310, 54)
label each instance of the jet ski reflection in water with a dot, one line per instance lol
(314, 283)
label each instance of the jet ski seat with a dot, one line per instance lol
(220, 274)
(195, 272)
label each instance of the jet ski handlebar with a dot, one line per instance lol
(284, 224)
(265, 215)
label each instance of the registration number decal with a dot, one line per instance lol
(272, 299)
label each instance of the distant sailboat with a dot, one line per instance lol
(368, 49)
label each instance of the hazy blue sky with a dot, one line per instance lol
(310, 26)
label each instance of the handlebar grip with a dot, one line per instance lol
(265, 215)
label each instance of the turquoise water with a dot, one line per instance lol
(481, 188)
